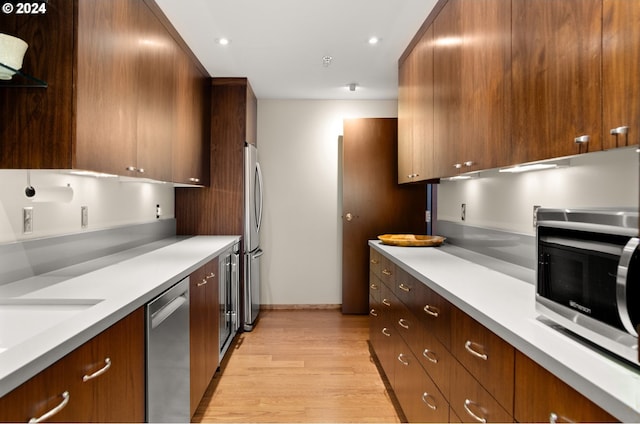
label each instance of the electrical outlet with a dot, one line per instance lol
(427, 216)
(535, 215)
(463, 211)
(84, 216)
(158, 211)
(27, 220)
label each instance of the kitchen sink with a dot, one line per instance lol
(22, 319)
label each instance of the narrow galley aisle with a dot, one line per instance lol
(300, 366)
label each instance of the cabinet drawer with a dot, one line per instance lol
(404, 287)
(436, 360)
(489, 358)
(420, 399)
(540, 396)
(374, 285)
(387, 271)
(471, 402)
(375, 262)
(407, 326)
(434, 312)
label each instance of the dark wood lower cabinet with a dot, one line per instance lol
(543, 397)
(438, 383)
(117, 395)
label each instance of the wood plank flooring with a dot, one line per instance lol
(299, 366)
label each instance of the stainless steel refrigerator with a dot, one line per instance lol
(252, 222)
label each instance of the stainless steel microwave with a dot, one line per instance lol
(588, 275)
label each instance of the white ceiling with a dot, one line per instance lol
(279, 45)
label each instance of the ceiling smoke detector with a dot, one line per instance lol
(352, 86)
(326, 61)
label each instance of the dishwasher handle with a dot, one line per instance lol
(158, 317)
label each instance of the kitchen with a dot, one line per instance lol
(318, 123)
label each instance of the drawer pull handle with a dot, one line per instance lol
(203, 282)
(386, 272)
(426, 397)
(386, 302)
(374, 261)
(431, 310)
(402, 360)
(403, 323)
(54, 411)
(212, 275)
(431, 356)
(467, 404)
(374, 286)
(373, 313)
(555, 418)
(582, 139)
(619, 130)
(475, 353)
(404, 288)
(107, 365)
(385, 331)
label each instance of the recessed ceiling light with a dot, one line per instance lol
(326, 60)
(374, 40)
(223, 41)
(352, 86)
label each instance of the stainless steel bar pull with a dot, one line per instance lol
(107, 365)
(54, 411)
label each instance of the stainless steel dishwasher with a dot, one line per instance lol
(168, 382)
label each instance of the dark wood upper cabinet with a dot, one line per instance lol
(447, 87)
(486, 84)
(124, 95)
(556, 76)
(621, 72)
(415, 113)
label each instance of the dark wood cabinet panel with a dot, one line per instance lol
(203, 323)
(117, 395)
(620, 70)
(486, 84)
(447, 87)
(415, 113)
(556, 76)
(435, 313)
(36, 123)
(542, 397)
(436, 361)
(487, 357)
(471, 402)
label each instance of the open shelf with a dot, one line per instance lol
(21, 79)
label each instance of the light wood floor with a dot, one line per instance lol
(299, 366)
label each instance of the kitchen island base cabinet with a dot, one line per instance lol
(100, 381)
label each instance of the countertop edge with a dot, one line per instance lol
(569, 373)
(114, 311)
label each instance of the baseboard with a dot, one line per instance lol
(299, 307)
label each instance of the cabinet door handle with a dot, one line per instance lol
(194, 180)
(467, 404)
(431, 310)
(402, 361)
(582, 139)
(403, 323)
(430, 355)
(403, 287)
(202, 283)
(107, 365)
(130, 168)
(457, 165)
(620, 130)
(555, 418)
(385, 331)
(475, 353)
(140, 170)
(373, 286)
(468, 163)
(373, 313)
(54, 411)
(374, 261)
(386, 302)
(386, 272)
(431, 404)
(212, 275)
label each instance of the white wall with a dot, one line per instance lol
(112, 202)
(301, 235)
(505, 201)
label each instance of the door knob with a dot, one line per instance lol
(349, 216)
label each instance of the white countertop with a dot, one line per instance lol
(126, 282)
(506, 306)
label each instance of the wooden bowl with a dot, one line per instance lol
(411, 240)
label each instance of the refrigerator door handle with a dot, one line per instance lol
(259, 196)
(256, 255)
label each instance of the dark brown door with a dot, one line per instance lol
(372, 202)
